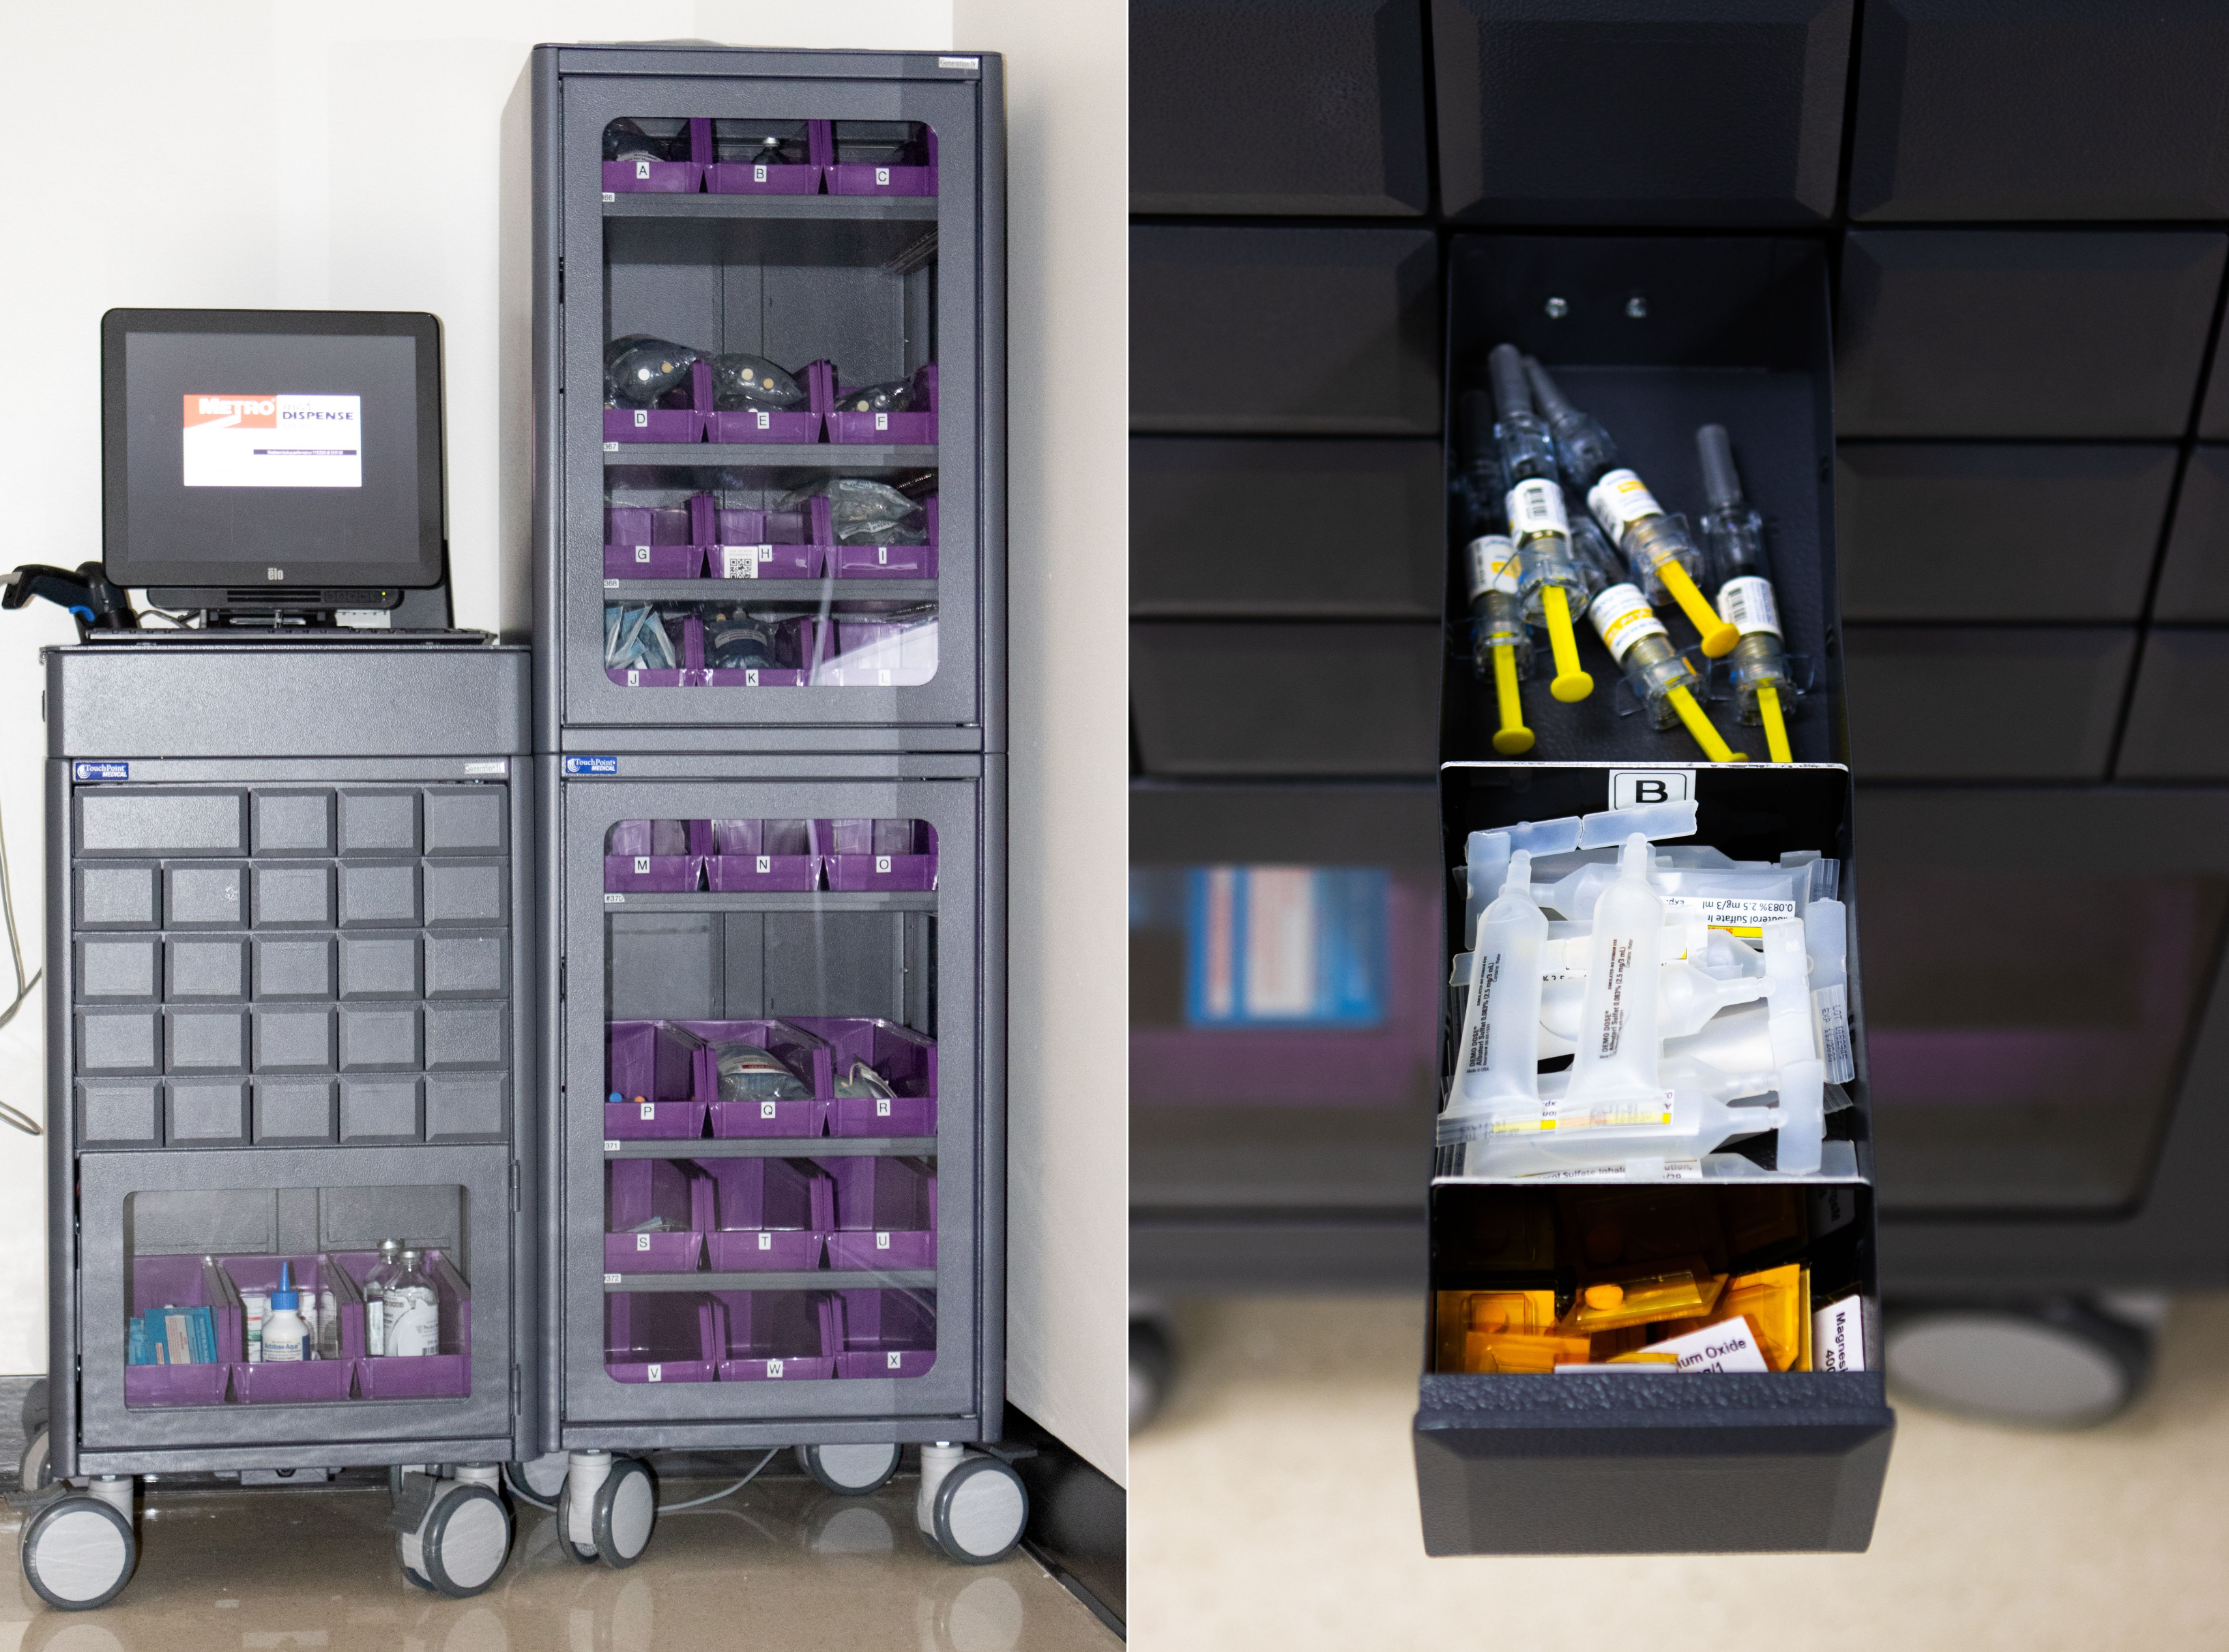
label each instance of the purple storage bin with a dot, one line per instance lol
(754, 544)
(651, 1061)
(641, 1189)
(678, 416)
(863, 178)
(907, 1062)
(654, 856)
(176, 1385)
(877, 854)
(445, 1374)
(865, 651)
(886, 1333)
(805, 1055)
(917, 428)
(781, 1335)
(875, 561)
(703, 676)
(650, 542)
(662, 1336)
(187, 1282)
(307, 1271)
(798, 425)
(754, 178)
(762, 855)
(885, 1214)
(665, 178)
(692, 661)
(769, 1215)
(290, 1382)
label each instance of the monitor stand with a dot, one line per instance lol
(301, 613)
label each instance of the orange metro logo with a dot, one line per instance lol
(251, 412)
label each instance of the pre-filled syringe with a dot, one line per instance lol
(1501, 646)
(1664, 559)
(1663, 681)
(1549, 580)
(1735, 535)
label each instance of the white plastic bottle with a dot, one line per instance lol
(255, 1307)
(1614, 1076)
(413, 1313)
(375, 1294)
(1497, 1064)
(285, 1336)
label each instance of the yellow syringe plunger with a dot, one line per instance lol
(1569, 683)
(1712, 743)
(1719, 637)
(1775, 728)
(1513, 739)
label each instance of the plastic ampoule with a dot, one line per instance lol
(1663, 558)
(1637, 641)
(1614, 1074)
(1549, 579)
(1497, 1064)
(1734, 534)
(1501, 646)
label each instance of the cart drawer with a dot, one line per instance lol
(1647, 1464)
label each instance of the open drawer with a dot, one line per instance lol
(1658, 1335)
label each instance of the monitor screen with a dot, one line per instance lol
(265, 448)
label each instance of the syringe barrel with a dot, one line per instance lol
(1498, 622)
(1511, 396)
(1759, 660)
(1582, 447)
(1528, 452)
(1545, 559)
(1735, 536)
(1654, 668)
(1721, 481)
(1654, 541)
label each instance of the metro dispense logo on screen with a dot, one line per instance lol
(268, 440)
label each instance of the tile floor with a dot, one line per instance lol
(1274, 1505)
(783, 1564)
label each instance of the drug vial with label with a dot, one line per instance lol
(375, 1295)
(412, 1315)
(285, 1335)
(1552, 583)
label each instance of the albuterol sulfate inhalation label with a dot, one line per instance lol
(1833, 1007)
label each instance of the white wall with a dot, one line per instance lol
(1068, 374)
(298, 154)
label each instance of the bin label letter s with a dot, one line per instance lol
(1630, 789)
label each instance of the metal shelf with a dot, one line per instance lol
(826, 900)
(803, 1279)
(808, 208)
(767, 456)
(808, 1146)
(763, 592)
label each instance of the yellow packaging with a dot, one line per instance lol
(1803, 1359)
(1608, 1345)
(1608, 1305)
(1521, 1352)
(1457, 1314)
(1776, 1304)
(1643, 1357)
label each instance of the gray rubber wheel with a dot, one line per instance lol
(35, 1470)
(625, 1513)
(465, 1540)
(79, 1553)
(851, 1470)
(981, 1511)
(2053, 1363)
(411, 1575)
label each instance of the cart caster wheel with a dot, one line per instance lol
(538, 1480)
(980, 1512)
(2057, 1364)
(851, 1470)
(624, 1513)
(411, 1575)
(462, 1543)
(35, 1470)
(79, 1553)
(1153, 1367)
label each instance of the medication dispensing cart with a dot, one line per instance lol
(1655, 1322)
(769, 516)
(290, 921)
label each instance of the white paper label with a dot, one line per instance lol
(1833, 1007)
(764, 864)
(1623, 617)
(612, 1279)
(642, 553)
(614, 900)
(1537, 507)
(642, 1241)
(1838, 1336)
(1627, 1170)
(642, 168)
(882, 1242)
(742, 562)
(895, 1362)
(882, 863)
(882, 1107)
(412, 1320)
(1631, 789)
(882, 176)
(1729, 911)
(650, 1110)
(641, 418)
(658, 1373)
(765, 1109)
(773, 1368)
(882, 421)
(1618, 500)
(1492, 566)
(765, 421)
(611, 1147)
(642, 864)
(758, 174)
(766, 1241)
(1730, 1346)
(1747, 605)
